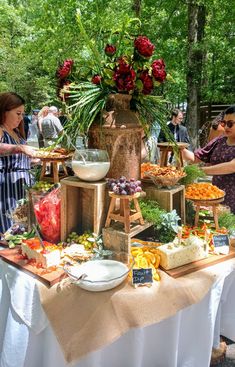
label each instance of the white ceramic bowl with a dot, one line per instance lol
(100, 275)
(90, 164)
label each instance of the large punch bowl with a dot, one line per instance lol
(90, 164)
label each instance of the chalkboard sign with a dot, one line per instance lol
(220, 240)
(142, 276)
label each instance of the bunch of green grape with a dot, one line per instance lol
(87, 239)
(73, 237)
(42, 186)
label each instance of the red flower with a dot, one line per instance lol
(96, 79)
(158, 70)
(147, 81)
(124, 76)
(65, 69)
(110, 50)
(143, 46)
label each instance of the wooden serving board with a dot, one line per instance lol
(12, 257)
(200, 264)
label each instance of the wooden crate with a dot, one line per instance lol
(84, 206)
(117, 240)
(167, 199)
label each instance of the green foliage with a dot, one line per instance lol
(227, 220)
(193, 172)
(35, 36)
(165, 224)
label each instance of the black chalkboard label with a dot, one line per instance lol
(221, 240)
(142, 276)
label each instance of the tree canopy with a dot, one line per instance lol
(35, 36)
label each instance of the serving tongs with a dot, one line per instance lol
(39, 237)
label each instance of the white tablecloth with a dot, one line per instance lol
(184, 340)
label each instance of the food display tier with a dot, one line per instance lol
(206, 201)
(12, 257)
(54, 159)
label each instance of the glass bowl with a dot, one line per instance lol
(101, 275)
(90, 164)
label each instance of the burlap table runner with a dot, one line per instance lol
(86, 321)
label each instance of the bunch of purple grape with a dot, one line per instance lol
(122, 186)
(17, 229)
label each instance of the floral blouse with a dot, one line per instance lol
(215, 152)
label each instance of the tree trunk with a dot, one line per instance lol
(137, 7)
(196, 26)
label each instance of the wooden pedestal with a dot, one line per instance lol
(84, 206)
(124, 214)
(55, 175)
(214, 204)
(167, 199)
(166, 148)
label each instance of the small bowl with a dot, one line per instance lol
(90, 164)
(164, 181)
(101, 275)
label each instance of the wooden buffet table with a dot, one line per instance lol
(167, 325)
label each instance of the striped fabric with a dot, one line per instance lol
(14, 175)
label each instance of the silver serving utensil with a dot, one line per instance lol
(82, 276)
(40, 238)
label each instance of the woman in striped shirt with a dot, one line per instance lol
(14, 156)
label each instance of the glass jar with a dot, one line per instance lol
(90, 164)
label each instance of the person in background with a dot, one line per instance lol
(62, 117)
(14, 156)
(51, 127)
(26, 125)
(219, 153)
(42, 113)
(179, 131)
(34, 117)
(150, 151)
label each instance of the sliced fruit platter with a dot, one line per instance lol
(46, 260)
(56, 153)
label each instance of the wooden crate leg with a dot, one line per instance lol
(137, 208)
(43, 171)
(215, 215)
(64, 169)
(110, 211)
(55, 172)
(197, 215)
(126, 207)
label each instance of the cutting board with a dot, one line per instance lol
(13, 257)
(200, 264)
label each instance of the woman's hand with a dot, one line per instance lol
(188, 156)
(29, 151)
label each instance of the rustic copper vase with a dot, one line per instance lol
(120, 133)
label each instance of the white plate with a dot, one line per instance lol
(101, 275)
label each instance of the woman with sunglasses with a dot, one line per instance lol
(219, 154)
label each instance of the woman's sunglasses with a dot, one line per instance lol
(229, 123)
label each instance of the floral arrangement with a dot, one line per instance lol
(124, 64)
(129, 73)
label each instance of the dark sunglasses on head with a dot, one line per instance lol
(229, 123)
